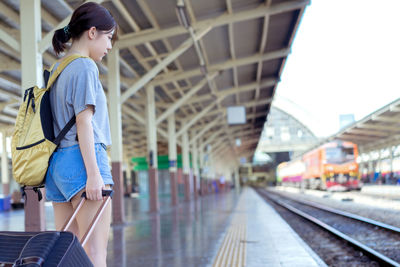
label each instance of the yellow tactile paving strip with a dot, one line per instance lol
(233, 249)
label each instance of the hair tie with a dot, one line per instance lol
(66, 30)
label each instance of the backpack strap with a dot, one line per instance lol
(65, 130)
(50, 82)
(60, 68)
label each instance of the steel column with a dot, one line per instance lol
(196, 175)
(152, 148)
(5, 180)
(186, 164)
(114, 95)
(172, 159)
(31, 68)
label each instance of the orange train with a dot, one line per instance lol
(331, 166)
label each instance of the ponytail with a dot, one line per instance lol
(60, 37)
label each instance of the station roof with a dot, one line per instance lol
(378, 130)
(232, 54)
(284, 133)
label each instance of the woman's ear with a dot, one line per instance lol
(92, 33)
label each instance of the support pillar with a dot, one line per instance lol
(5, 180)
(391, 152)
(195, 168)
(370, 169)
(128, 171)
(34, 211)
(185, 163)
(114, 95)
(212, 173)
(152, 148)
(202, 176)
(379, 179)
(237, 180)
(32, 74)
(172, 156)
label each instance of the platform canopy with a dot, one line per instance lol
(379, 130)
(201, 56)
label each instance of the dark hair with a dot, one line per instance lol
(84, 17)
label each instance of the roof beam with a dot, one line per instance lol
(195, 119)
(204, 130)
(141, 120)
(232, 47)
(247, 104)
(156, 69)
(234, 90)
(9, 12)
(263, 43)
(7, 63)
(206, 111)
(367, 132)
(183, 99)
(133, 39)
(9, 40)
(178, 75)
(48, 17)
(248, 87)
(212, 137)
(393, 140)
(379, 127)
(394, 108)
(150, 16)
(384, 118)
(148, 45)
(356, 137)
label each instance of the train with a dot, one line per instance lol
(332, 166)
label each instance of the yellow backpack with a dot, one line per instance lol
(33, 141)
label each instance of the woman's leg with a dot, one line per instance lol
(96, 246)
(62, 212)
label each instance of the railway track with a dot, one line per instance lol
(380, 241)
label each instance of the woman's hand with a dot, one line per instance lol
(94, 187)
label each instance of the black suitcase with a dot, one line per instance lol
(49, 248)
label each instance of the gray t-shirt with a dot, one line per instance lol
(78, 86)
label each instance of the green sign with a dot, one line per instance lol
(141, 164)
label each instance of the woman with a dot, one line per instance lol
(78, 166)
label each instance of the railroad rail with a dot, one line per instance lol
(372, 253)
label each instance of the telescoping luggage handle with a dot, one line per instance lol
(107, 194)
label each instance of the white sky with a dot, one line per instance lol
(345, 59)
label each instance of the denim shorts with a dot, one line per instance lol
(66, 175)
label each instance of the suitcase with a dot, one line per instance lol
(49, 248)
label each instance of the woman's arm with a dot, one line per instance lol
(94, 183)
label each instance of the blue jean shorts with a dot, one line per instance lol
(66, 175)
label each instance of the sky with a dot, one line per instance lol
(345, 59)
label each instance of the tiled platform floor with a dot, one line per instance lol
(192, 233)
(273, 242)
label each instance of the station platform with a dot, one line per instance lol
(225, 229)
(382, 190)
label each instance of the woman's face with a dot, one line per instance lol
(101, 45)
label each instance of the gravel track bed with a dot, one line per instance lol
(381, 240)
(386, 215)
(332, 250)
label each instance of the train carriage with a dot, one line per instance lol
(290, 172)
(331, 166)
